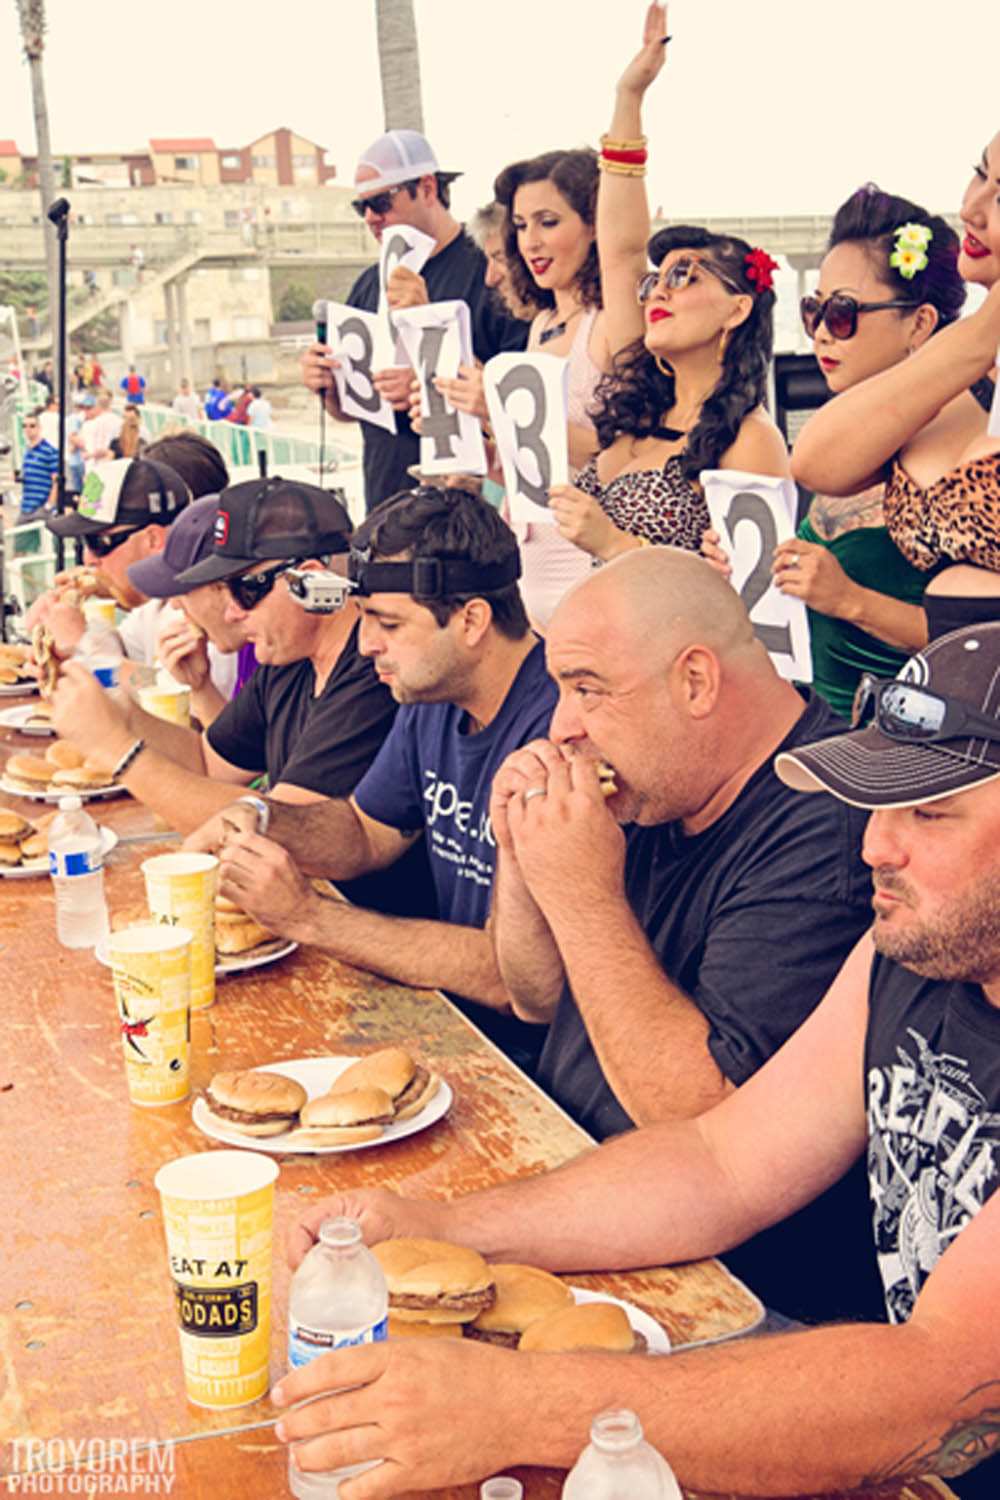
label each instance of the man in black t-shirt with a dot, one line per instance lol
(399, 182)
(904, 1054)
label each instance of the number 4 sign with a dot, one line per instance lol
(753, 513)
(437, 338)
(527, 403)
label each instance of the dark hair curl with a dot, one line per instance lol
(574, 174)
(871, 218)
(635, 395)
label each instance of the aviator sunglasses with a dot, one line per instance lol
(379, 203)
(248, 589)
(680, 275)
(915, 715)
(840, 312)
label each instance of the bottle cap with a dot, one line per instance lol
(340, 1233)
(70, 804)
(501, 1488)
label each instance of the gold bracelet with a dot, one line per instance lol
(619, 168)
(623, 145)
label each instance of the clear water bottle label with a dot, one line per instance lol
(81, 862)
(305, 1343)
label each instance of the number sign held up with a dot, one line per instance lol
(437, 338)
(753, 513)
(353, 335)
(402, 245)
(527, 400)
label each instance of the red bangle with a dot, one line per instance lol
(632, 158)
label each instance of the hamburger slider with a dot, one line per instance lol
(592, 1325)
(13, 827)
(606, 779)
(28, 772)
(524, 1295)
(409, 1085)
(255, 1103)
(432, 1281)
(348, 1118)
(63, 756)
(82, 778)
(236, 931)
(39, 715)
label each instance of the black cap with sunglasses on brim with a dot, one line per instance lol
(936, 729)
(123, 496)
(264, 520)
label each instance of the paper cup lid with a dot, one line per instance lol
(216, 1174)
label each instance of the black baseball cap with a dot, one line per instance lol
(959, 671)
(124, 492)
(188, 541)
(262, 519)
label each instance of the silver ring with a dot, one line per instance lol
(795, 559)
(533, 791)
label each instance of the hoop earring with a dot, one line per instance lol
(664, 366)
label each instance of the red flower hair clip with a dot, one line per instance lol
(759, 270)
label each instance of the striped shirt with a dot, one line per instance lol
(38, 466)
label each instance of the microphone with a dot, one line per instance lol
(319, 318)
(58, 210)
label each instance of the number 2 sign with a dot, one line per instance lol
(527, 403)
(753, 513)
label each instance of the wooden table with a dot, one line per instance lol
(88, 1343)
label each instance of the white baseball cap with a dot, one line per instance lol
(397, 156)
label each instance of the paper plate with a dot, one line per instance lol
(52, 794)
(228, 963)
(657, 1341)
(16, 718)
(32, 868)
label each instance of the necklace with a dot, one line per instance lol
(553, 330)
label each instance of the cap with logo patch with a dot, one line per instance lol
(262, 519)
(124, 492)
(188, 541)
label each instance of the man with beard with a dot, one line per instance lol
(902, 1056)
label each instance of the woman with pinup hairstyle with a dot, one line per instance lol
(690, 344)
(866, 315)
(920, 427)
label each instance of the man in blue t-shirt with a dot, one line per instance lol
(444, 623)
(38, 469)
(134, 386)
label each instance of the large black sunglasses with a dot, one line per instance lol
(904, 711)
(100, 543)
(248, 589)
(380, 203)
(840, 312)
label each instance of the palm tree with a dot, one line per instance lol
(399, 65)
(31, 14)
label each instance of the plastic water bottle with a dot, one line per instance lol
(76, 866)
(338, 1299)
(100, 649)
(501, 1488)
(618, 1464)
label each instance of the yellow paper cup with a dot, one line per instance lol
(173, 704)
(99, 610)
(218, 1211)
(180, 890)
(151, 971)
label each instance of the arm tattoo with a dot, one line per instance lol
(966, 1443)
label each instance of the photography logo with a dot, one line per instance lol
(88, 1466)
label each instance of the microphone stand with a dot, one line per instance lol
(58, 214)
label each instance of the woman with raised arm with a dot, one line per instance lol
(868, 313)
(690, 346)
(921, 428)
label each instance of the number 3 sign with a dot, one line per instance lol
(753, 513)
(353, 335)
(526, 398)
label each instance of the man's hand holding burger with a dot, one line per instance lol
(264, 880)
(182, 649)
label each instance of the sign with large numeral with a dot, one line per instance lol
(526, 395)
(402, 245)
(753, 513)
(437, 338)
(352, 335)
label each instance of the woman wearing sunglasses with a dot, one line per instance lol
(864, 597)
(689, 355)
(919, 427)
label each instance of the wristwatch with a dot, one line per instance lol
(261, 808)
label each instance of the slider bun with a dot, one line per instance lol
(64, 756)
(10, 854)
(606, 779)
(428, 1268)
(235, 932)
(354, 1107)
(335, 1135)
(593, 1325)
(524, 1295)
(391, 1069)
(424, 1097)
(81, 776)
(35, 845)
(266, 1127)
(257, 1092)
(423, 1330)
(28, 770)
(12, 826)
(223, 904)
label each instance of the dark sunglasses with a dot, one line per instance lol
(680, 275)
(250, 588)
(840, 312)
(379, 203)
(100, 543)
(903, 711)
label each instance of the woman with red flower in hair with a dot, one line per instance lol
(691, 344)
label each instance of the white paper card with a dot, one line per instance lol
(526, 395)
(402, 245)
(437, 338)
(352, 335)
(993, 426)
(753, 513)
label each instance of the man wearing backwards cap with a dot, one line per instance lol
(442, 618)
(314, 713)
(399, 182)
(902, 1056)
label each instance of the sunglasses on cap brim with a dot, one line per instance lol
(840, 313)
(248, 589)
(915, 715)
